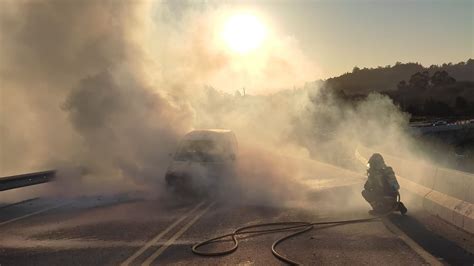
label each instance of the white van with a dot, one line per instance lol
(203, 159)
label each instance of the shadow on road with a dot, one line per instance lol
(438, 246)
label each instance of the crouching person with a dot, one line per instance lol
(381, 188)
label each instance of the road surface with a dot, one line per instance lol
(130, 229)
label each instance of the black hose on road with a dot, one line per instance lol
(300, 227)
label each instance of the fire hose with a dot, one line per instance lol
(258, 229)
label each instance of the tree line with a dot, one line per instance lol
(445, 90)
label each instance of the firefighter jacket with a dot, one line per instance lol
(382, 181)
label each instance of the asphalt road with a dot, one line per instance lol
(128, 230)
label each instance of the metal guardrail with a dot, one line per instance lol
(24, 180)
(439, 128)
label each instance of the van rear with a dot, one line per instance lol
(203, 159)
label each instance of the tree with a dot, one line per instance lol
(437, 108)
(419, 80)
(461, 104)
(414, 110)
(402, 85)
(441, 78)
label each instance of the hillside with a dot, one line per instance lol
(365, 80)
(446, 90)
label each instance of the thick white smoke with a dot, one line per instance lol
(111, 86)
(77, 91)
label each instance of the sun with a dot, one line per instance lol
(243, 33)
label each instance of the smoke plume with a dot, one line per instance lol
(109, 87)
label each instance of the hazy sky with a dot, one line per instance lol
(338, 35)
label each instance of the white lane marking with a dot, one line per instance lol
(34, 213)
(160, 235)
(430, 259)
(18, 203)
(176, 236)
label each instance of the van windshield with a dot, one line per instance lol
(202, 151)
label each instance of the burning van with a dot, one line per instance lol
(203, 160)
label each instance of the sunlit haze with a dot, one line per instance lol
(136, 132)
(266, 46)
(243, 33)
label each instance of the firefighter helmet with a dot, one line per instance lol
(376, 160)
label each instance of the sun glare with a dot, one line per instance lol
(243, 33)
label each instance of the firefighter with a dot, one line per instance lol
(381, 188)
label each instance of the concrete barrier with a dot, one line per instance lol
(451, 197)
(446, 193)
(469, 217)
(453, 183)
(420, 173)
